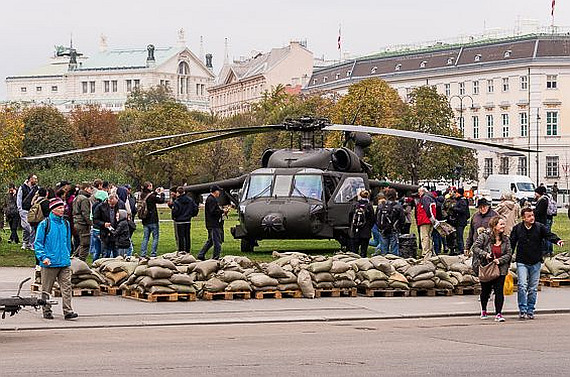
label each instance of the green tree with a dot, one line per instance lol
(11, 139)
(144, 99)
(46, 130)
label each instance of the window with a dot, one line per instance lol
(54, 88)
(552, 167)
(373, 70)
(325, 79)
(505, 84)
(84, 87)
(551, 82)
(490, 86)
(447, 89)
(488, 167)
(449, 61)
(314, 81)
(505, 121)
(23, 89)
(489, 126)
(308, 186)
(137, 84)
(348, 73)
(129, 85)
(523, 120)
(475, 87)
(349, 190)
(114, 86)
(504, 165)
(461, 122)
(551, 123)
(259, 185)
(337, 76)
(522, 168)
(507, 54)
(423, 64)
(461, 88)
(197, 89)
(38, 89)
(106, 86)
(91, 86)
(477, 57)
(524, 82)
(396, 68)
(475, 120)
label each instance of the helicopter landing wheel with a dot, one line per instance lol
(247, 245)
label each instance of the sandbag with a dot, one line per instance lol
(344, 284)
(425, 276)
(362, 264)
(215, 285)
(161, 262)
(266, 288)
(157, 272)
(181, 279)
(317, 267)
(443, 284)
(229, 276)
(372, 275)
(338, 267)
(159, 289)
(185, 259)
(183, 269)
(348, 275)
(461, 267)
(291, 278)
(148, 282)
(205, 268)
(449, 260)
(182, 288)
(401, 265)
(93, 276)
(555, 266)
(275, 271)
(261, 280)
(88, 284)
(288, 287)
(322, 277)
(325, 285)
(378, 284)
(141, 270)
(382, 264)
(396, 276)
(443, 275)
(79, 267)
(396, 284)
(116, 277)
(238, 286)
(306, 284)
(420, 269)
(423, 284)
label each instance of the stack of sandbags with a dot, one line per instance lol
(421, 275)
(83, 277)
(158, 276)
(369, 273)
(342, 272)
(115, 271)
(320, 273)
(558, 266)
(458, 268)
(228, 274)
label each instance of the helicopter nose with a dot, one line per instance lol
(273, 222)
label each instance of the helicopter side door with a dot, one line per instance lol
(346, 193)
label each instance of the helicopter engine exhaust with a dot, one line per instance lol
(345, 160)
(273, 222)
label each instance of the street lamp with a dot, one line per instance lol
(461, 98)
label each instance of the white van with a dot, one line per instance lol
(521, 185)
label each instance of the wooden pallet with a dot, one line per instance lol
(459, 290)
(226, 295)
(113, 291)
(383, 292)
(336, 292)
(160, 297)
(414, 292)
(554, 282)
(78, 292)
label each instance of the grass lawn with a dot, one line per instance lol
(12, 255)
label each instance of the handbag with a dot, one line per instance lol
(489, 272)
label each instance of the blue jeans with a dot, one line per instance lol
(123, 252)
(109, 250)
(215, 238)
(95, 244)
(549, 249)
(147, 229)
(375, 240)
(437, 241)
(389, 243)
(528, 276)
(460, 229)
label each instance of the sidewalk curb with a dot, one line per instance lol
(77, 325)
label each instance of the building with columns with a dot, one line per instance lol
(242, 83)
(510, 90)
(106, 78)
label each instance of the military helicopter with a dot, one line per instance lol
(302, 192)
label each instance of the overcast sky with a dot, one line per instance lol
(29, 29)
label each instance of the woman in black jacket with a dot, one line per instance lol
(493, 246)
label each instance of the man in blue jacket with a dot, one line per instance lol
(53, 248)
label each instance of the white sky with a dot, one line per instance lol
(29, 29)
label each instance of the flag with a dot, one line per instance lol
(552, 11)
(338, 38)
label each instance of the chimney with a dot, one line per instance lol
(209, 62)
(150, 62)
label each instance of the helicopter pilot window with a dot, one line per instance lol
(349, 190)
(282, 185)
(259, 185)
(309, 186)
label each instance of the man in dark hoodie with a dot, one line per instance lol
(105, 218)
(183, 209)
(214, 224)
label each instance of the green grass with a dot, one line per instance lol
(12, 256)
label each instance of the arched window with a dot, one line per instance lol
(183, 79)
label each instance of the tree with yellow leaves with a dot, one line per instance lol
(11, 138)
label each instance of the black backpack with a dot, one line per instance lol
(359, 217)
(386, 220)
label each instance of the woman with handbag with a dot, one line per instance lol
(491, 260)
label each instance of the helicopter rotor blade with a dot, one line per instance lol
(449, 140)
(227, 135)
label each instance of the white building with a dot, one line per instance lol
(242, 83)
(107, 78)
(511, 91)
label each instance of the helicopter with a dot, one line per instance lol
(304, 191)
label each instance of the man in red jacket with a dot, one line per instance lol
(425, 218)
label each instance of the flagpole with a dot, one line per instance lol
(552, 16)
(339, 44)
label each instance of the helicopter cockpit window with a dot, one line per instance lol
(259, 185)
(349, 190)
(282, 185)
(309, 186)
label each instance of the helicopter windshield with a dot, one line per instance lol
(259, 185)
(308, 186)
(349, 190)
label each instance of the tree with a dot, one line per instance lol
(141, 99)
(92, 126)
(46, 130)
(414, 160)
(11, 139)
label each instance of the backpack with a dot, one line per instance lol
(552, 209)
(27, 200)
(359, 217)
(385, 218)
(143, 212)
(35, 214)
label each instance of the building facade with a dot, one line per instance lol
(509, 91)
(242, 83)
(108, 77)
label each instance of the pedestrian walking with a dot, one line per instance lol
(526, 239)
(214, 224)
(493, 246)
(509, 210)
(24, 198)
(361, 218)
(11, 211)
(148, 213)
(425, 219)
(53, 248)
(555, 191)
(183, 209)
(543, 215)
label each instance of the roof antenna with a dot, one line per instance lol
(226, 51)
